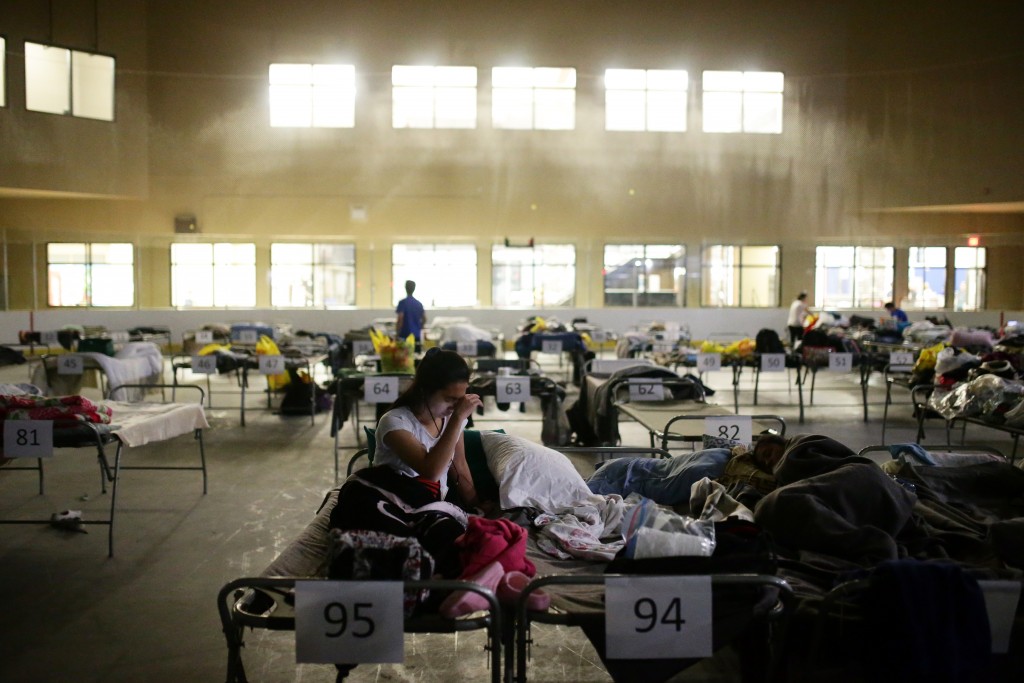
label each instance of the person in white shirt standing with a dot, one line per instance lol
(798, 311)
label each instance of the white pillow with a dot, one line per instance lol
(532, 475)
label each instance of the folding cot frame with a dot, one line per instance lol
(506, 629)
(93, 435)
(292, 364)
(920, 395)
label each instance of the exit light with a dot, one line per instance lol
(973, 240)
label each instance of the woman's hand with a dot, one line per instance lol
(465, 406)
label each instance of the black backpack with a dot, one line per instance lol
(767, 341)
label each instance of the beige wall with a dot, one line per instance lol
(875, 128)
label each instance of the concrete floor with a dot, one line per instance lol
(149, 613)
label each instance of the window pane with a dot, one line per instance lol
(762, 81)
(113, 252)
(762, 113)
(282, 253)
(291, 285)
(412, 107)
(666, 110)
(543, 275)
(512, 108)
(234, 286)
(291, 106)
(926, 283)
(723, 112)
(112, 285)
(445, 274)
(47, 79)
(512, 77)
(455, 107)
(625, 79)
(969, 278)
(226, 253)
(192, 285)
(727, 81)
(67, 285)
(67, 252)
(192, 253)
(92, 83)
(555, 109)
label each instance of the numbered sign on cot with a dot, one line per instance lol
(271, 364)
(773, 362)
(551, 346)
(658, 617)
(901, 361)
(204, 365)
(49, 337)
(28, 438)
(709, 362)
(380, 389)
(204, 336)
(248, 336)
(355, 622)
(840, 362)
(70, 364)
(466, 348)
(508, 389)
(362, 348)
(642, 389)
(732, 427)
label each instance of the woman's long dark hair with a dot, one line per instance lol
(437, 370)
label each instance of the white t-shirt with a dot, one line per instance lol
(797, 313)
(403, 419)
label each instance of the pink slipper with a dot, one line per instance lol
(460, 603)
(510, 590)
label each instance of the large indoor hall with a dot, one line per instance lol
(565, 341)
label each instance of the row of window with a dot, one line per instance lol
(529, 98)
(304, 275)
(72, 82)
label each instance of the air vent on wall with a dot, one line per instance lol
(185, 223)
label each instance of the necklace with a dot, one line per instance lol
(433, 420)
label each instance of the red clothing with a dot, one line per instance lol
(489, 540)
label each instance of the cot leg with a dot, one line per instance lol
(113, 498)
(885, 409)
(202, 456)
(757, 382)
(800, 392)
(39, 465)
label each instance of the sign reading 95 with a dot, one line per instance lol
(658, 617)
(355, 622)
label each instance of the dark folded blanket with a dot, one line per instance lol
(853, 512)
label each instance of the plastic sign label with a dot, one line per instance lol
(840, 362)
(70, 364)
(901, 361)
(204, 336)
(466, 348)
(248, 336)
(28, 438)
(733, 427)
(551, 346)
(204, 365)
(598, 336)
(709, 362)
(773, 362)
(49, 337)
(662, 347)
(643, 389)
(1001, 598)
(121, 336)
(271, 364)
(355, 622)
(380, 389)
(508, 389)
(658, 617)
(362, 347)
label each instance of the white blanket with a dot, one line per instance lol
(136, 424)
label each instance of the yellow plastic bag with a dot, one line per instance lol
(267, 346)
(926, 359)
(213, 348)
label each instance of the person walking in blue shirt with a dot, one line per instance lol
(897, 313)
(411, 316)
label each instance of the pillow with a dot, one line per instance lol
(531, 475)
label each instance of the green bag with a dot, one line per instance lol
(96, 345)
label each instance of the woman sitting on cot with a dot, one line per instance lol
(420, 448)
